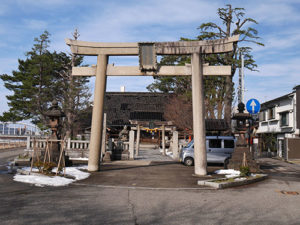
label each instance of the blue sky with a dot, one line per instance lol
(155, 20)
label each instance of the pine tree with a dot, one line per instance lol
(218, 90)
(76, 95)
(234, 23)
(42, 77)
(31, 84)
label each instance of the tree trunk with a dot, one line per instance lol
(228, 101)
(70, 107)
(220, 109)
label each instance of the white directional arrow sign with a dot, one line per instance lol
(253, 106)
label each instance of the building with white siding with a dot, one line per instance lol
(279, 117)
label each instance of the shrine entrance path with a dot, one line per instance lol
(152, 154)
(150, 169)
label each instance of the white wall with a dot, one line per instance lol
(273, 125)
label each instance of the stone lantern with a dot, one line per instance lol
(242, 150)
(55, 115)
(241, 129)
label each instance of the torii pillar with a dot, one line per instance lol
(198, 115)
(97, 117)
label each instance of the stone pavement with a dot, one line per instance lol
(150, 170)
(152, 154)
(147, 174)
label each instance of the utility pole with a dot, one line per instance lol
(241, 88)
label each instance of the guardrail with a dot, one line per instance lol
(12, 144)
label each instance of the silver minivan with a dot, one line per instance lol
(219, 150)
(220, 144)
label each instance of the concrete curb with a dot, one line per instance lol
(22, 162)
(221, 185)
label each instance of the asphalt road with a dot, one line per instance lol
(273, 201)
(9, 154)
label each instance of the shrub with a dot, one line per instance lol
(245, 171)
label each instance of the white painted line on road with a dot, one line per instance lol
(143, 188)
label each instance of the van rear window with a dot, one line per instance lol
(228, 144)
(215, 143)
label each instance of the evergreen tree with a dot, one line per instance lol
(31, 84)
(218, 90)
(76, 94)
(42, 77)
(234, 23)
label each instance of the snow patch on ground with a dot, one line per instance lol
(28, 169)
(43, 180)
(240, 178)
(75, 172)
(169, 154)
(80, 158)
(229, 173)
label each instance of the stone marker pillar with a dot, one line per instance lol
(175, 145)
(163, 140)
(198, 115)
(138, 135)
(69, 143)
(131, 144)
(97, 117)
(28, 142)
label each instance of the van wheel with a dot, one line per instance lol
(188, 161)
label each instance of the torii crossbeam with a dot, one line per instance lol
(147, 53)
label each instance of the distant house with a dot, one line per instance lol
(279, 124)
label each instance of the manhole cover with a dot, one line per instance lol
(289, 192)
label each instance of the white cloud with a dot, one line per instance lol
(273, 80)
(3, 9)
(144, 21)
(155, 20)
(132, 84)
(8, 64)
(35, 24)
(3, 100)
(281, 40)
(270, 12)
(42, 3)
(282, 69)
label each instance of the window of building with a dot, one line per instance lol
(271, 113)
(284, 119)
(262, 116)
(228, 144)
(215, 143)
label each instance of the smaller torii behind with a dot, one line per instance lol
(147, 53)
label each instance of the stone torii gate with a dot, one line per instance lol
(147, 53)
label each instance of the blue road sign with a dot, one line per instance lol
(253, 106)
